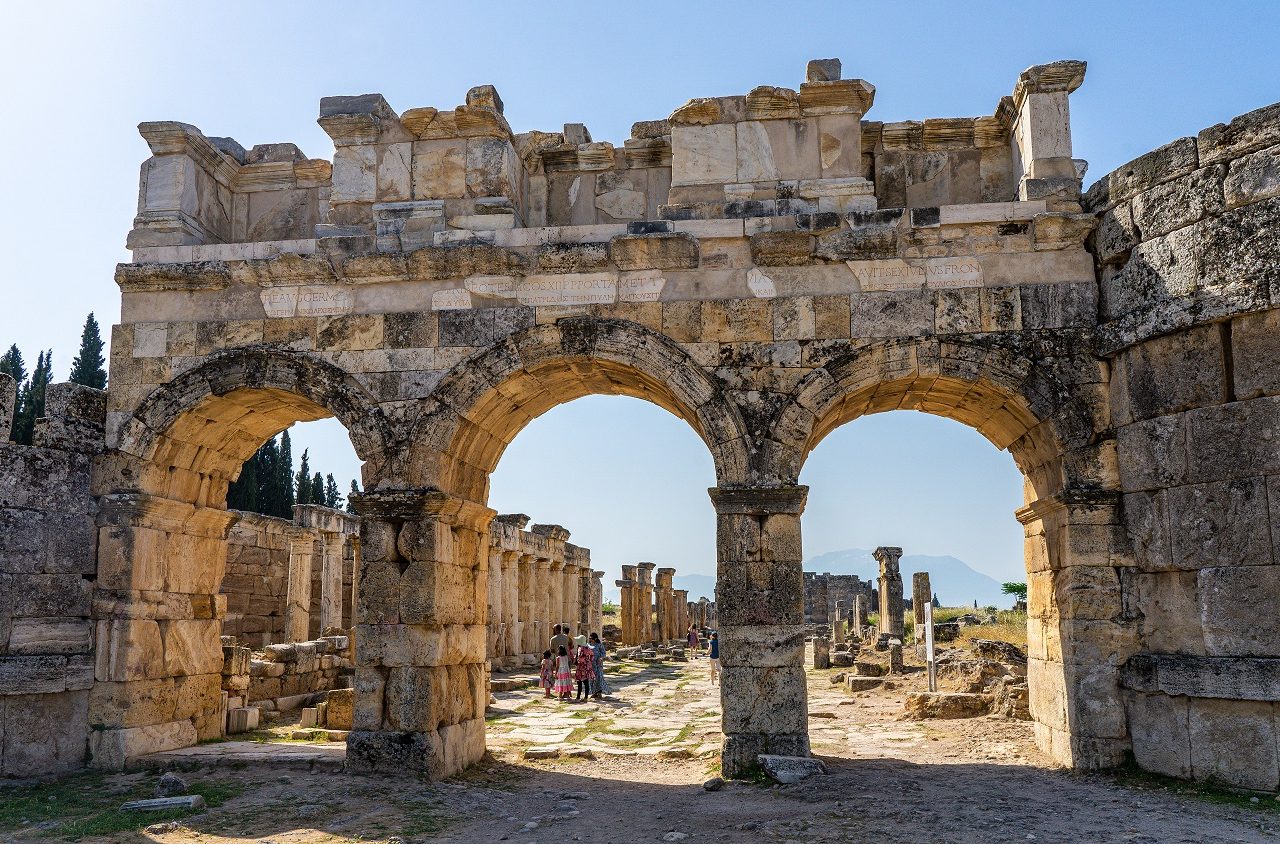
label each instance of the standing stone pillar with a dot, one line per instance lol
(420, 679)
(297, 609)
(921, 594)
(511, 604)
(528, 576)
(760, 589)
(156, 681)
(644, 605)
(573, 597)
(704, 620)
(890, 584)
(663, 601)
(681, 598)
(555, 600)
(493, 634)
(595, 615)
(861, 614)
(837, 624)
(821, 652)
(543, 606)
(331, 549)
(629, 615)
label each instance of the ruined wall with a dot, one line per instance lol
(48, 558)
(257, 579)
(1188, 250)
(831, 588)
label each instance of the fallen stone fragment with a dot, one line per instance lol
(542, 753)
(675, 836)
(713, 784)
(160, 804)
(171, 785)
(921, 705)
(862, 684)
(790, 769)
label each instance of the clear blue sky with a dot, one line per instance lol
(81, 76)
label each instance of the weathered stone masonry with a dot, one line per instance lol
(767, 267)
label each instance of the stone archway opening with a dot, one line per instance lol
(1074, 544)
(165, 534)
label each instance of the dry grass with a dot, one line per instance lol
(1010, 627)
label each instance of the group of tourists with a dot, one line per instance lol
(569, 662)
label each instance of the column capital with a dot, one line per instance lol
(419, 503)
(1056, 77)
(759, 501)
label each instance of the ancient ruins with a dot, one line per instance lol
(652, 611)
(767, 266)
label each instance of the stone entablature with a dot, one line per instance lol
(537, 579)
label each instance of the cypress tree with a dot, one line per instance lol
(12, 363)
(331, 495)
(242, 494)
(31, 400)
(285, 476)
(87, 368)
(317, 489)
(267, 472)
(303, 488)
(355, 490)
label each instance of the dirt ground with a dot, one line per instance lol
(972, 780)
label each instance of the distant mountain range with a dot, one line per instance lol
(952, 580)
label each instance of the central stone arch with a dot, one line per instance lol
(420, 614)
(1045, 404)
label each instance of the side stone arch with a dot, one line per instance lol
(195, 432)
(482, 403)
(1047, 406)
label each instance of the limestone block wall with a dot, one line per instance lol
(257, 578)
(1188, 251)
(831, 588)
(298, 669)
(48, 560)
(256, 583)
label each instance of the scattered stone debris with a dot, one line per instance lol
(788, 770)
(160, 804)
(921, 705)
(713, 784)
(171, 785)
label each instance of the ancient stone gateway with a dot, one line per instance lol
(767, 267)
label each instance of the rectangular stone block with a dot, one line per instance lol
(1234, 742)
(703, 155)
(43, 734)
(764, 700)
(50, 636)
(1217, 524)
(1238, 610)
(111, 749)
(1159, 732)
(1168, 374)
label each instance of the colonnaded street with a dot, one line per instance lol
(634, 767)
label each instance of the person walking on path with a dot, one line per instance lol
(599, 688)
(692, 639)
(714, 655)
(547, 672)
(564, 677)
(582, 669)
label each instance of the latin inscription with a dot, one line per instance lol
(897, 274)
(317, 300)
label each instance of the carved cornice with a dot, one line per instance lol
(759, 501)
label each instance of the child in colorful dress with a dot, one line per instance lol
(564, 677)
(583, 670)
(547, 673)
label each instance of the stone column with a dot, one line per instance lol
(644, 604)
(663, 601)
(332, 545)
(493, 633)
(921, 594)
(703, 617)
(528, 575)
(681, 598)
(572, 598)
(156, 681)
(555, 597)
(297, 611)
(1042, 128)
(595, 611)
(626, 608)
(890, 584)
(629, 616)
(861, 614)
(511, 605)
(543, 606)
(760, 586)
(837, 624)
(419, 704)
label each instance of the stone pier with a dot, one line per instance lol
(644, 602)
(892, 623)
(664, 604)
